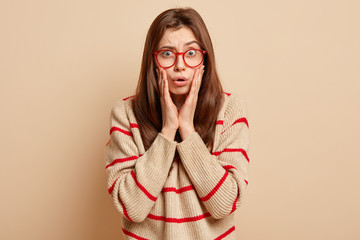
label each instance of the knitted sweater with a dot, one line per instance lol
(193, 197)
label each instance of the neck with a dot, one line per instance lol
(178, 99)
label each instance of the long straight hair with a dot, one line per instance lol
(146, 104)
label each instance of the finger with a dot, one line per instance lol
(193, 87)
(198, 81)
(201, 77)
(198, 76)
(201, 74)
(163, 92)
(196, 90)
(166, 86)
(201, 70)
(164, 80)
(168, 96)
(160, 81)
(193, 92)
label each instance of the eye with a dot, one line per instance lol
(191, 53)
(167, 53)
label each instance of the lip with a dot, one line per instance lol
(178, 83)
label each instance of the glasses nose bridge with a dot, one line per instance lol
(179, 54)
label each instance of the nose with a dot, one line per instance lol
(179, 64)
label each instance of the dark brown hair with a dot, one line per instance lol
(146, 104)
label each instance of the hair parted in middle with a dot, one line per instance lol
(146, 104)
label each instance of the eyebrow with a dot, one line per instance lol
(186, 44)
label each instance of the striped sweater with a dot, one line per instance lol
(190, 197)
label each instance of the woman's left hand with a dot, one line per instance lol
(187, 111)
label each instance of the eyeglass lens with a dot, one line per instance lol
(192, 57)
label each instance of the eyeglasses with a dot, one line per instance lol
(167, 58)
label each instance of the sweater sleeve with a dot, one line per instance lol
(220, 178)
(135, 181)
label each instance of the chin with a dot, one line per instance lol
(180, 91)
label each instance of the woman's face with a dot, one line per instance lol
(179, 40)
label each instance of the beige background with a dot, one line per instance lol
(63, 64)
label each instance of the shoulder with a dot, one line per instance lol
(121, 107)
(235, 105)
(235, 110)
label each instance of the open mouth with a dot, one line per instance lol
(180, 82)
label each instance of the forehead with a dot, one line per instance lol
(177, 37)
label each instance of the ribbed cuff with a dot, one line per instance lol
(192, 146)
(153, 167)
(172, 142)
(202, 168)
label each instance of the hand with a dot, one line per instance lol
(187, 111)
(169, 110)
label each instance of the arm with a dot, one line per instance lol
(220, 178)
(135, 181)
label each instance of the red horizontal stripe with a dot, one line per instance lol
(128, 97)
(225, 233)
(134, 125)
(124, 210)
(237, 150)
(219, 122)
(110, 190)
(179, 220)
(240, 120)
(216, 153)
(233, 150)
(120, 160)
(207, 197)
(133, 235)
(151, 197)
(227, 93)
(227, 167)
(180, 190)
(120, 130)
(112, 186)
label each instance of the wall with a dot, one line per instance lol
(63, 64)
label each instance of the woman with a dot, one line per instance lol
(177, 155)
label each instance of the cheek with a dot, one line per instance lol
(192, 74)
(168, 72)
(168, 76)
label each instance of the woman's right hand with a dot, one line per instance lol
(170, 121)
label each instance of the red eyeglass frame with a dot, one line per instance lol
(177, 54)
